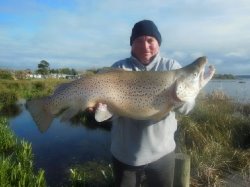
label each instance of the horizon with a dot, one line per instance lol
(83, 70)
(86, 35)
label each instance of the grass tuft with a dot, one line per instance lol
(16, 161)
(92, 174)
(217, 141)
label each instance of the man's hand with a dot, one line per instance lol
(93, 109)
(101, 112)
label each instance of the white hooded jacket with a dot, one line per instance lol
(139, 142)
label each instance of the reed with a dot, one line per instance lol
(217, 137)
(16, 161)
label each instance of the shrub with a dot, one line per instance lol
(5, 74)
(8, 97)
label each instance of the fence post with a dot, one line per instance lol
(182, 170)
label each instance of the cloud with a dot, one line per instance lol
(96, 33)
(240, 53)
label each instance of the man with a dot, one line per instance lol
(145, 147)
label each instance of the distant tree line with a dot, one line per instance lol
(67, 71)
(224, 76)
(44, 69)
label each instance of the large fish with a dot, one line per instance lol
(137, 95)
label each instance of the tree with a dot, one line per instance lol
(68, 71)
(43, 67)
(73, 72)
(55, 71)
(65, 71)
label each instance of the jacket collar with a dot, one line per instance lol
(142, 67)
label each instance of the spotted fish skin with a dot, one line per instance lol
(137, 95)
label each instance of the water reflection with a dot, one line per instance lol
(59, 147)
(10, 111)
(87, 119)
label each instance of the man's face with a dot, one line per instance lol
(144, 48)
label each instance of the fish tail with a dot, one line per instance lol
(40, 113)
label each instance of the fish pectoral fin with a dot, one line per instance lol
(69, 113)
(102, 113)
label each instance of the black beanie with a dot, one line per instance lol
(147, 28)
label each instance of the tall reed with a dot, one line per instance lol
(16, 161)
(217, 137)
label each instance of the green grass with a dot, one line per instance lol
(92, 174)
(217, 137)
(16, 161)
(30, 88)
(13, 90)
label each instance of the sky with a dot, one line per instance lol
(84, 34)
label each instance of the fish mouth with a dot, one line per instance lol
(206, 73)
(209, 71)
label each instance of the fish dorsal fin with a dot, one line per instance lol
(110, 69)
(102, 113)
(61, 87)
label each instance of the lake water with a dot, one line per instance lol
(64, 145)
(238, 90)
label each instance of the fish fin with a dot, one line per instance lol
(69, 113)
(61, 87)
(40, 113)
(110, 69)
(102, 113)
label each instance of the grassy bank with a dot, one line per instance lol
(28, 88)
(13, 90)
(16, 161)
(16, 158)
(216, 134)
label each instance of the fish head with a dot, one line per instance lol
(193, 78)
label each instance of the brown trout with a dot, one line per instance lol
(138, 95)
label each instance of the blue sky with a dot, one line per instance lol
(91, 34)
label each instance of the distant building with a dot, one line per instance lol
(53, 75)
(34, 76)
